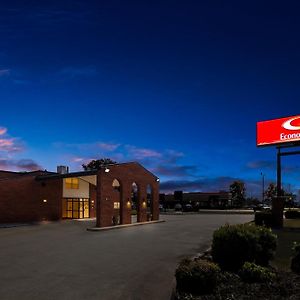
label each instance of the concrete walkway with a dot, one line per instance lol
(64, 261)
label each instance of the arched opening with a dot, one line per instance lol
(134, 202)
(117, 215)
(149, 203)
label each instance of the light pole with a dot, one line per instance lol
(263, 186)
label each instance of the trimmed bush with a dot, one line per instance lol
(233, 245)
(251, 272)
(266, 245)
(295, 262)
(292, 214)
(196, 276)
(264, 218)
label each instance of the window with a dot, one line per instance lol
(116, 185)
(72, 183)
(116, 205)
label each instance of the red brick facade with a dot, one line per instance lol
(22, 199)
(37, 196)
(126, 174)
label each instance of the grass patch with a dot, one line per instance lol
(286, 239)
(291, 223)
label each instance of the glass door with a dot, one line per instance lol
(75, 208)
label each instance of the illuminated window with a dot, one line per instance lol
(116, 185)
(116, 205)
(72, 183)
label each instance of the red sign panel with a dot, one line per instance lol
(278, 131)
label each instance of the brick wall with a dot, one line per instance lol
(126, 174)
(21, 199)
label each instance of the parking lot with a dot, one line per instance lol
(64, 261)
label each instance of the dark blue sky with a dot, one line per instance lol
(176, 85)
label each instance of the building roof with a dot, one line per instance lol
(12, 174)
(87, 173)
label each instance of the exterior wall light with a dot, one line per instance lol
(157, 179)
(45, 200)
(144, 203)
(106, 170)
(128, 203)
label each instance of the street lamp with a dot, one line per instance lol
(263, 186)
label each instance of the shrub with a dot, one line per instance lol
(251, 272)
(233, 245)
(266, 245)
(264, 218)
(292, 214)
(295, 262)
(196, 276)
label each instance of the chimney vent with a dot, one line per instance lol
(62, 169)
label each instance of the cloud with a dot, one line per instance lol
(290, 169)
(201, 184)
(175, 170)
(164, 163)
(20, 165)
(78, 159)
(27, 164)
(171, 156)
(73, 72)
(10, 145)
(142, 153)
(271, 165)
(110, 147)
(261, 164)
(3, 130)
(4, 72)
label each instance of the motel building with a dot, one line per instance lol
(109, 195)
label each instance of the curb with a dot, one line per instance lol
(124, 226)
(209, 212)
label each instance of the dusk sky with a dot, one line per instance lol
(175, 85)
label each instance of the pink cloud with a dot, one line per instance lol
(3, 130)
(10, 145)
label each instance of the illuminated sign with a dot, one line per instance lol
(278, 131)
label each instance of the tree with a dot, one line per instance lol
(271, 191)
(237, 190)
(98, 164)
(289, 198)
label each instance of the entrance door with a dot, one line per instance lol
(75, 208)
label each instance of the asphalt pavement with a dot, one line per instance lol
(62, 260)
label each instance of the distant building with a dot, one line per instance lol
(221, 199)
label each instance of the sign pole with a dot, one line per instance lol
(279, 191)
(277, 202)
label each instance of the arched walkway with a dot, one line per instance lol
(123, 189)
